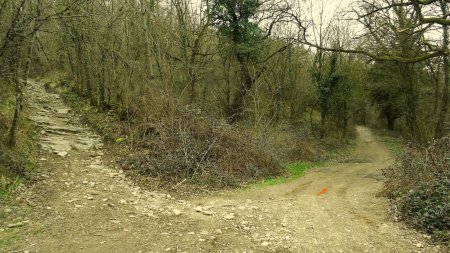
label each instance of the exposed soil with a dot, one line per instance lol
(80, 203)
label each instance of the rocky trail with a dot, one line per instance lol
(82, 203)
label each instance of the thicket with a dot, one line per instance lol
(419, 185)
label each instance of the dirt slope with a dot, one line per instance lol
(80, 204)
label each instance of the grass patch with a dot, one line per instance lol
(7, 187)
(395, 144)
(296, 170)
(7, 237)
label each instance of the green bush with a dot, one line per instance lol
(428, 207)
(419, 185)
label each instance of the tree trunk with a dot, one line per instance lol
(391, 123)
(148, 44)
(410, 79)
(439, 132)
(323, 120)
(236, 110)
(79, 76)
(19, 95)
(17, 109)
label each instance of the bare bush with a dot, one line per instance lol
(204, 151)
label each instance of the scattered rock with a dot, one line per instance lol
(63, 111)
(176, 212)
(207, 213)
(115, 221)
(62, 153)
(204, 210)
(265, 244)
(229, 216)
(16, 225)
(284, 222)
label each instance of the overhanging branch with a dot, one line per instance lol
(394, 58)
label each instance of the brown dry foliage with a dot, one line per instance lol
(204, 151)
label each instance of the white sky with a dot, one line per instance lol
(334, 12)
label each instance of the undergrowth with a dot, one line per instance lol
(186, 145)
(419, 186)
(15, 163)
(204, 151)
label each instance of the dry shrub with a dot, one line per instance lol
(292, 145)
(11, 164)
(302, 150)
(419, 185)
(204, 151)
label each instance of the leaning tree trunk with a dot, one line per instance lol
(17, 109)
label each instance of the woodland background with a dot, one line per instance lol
(224, 92)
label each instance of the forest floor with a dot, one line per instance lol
(80, 202)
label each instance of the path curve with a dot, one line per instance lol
(82, 204)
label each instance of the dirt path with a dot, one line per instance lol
(81, 204)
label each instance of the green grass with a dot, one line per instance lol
(394, 144)
(8, 187)
(7, 237)
(296, 170)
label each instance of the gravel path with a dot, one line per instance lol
(82, 204)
